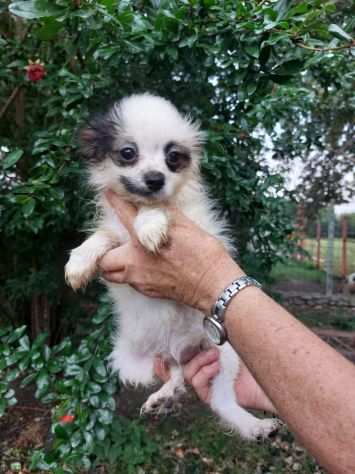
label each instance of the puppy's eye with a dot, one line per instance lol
(128, 153)
(173, 157)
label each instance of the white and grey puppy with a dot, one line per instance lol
(148, 153)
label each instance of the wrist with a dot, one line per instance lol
(215, 281)
(243, 305)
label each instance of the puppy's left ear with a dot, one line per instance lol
(97, 137)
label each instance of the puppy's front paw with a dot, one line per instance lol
(78, 271)
(151, 227)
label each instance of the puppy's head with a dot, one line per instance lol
(142, 148)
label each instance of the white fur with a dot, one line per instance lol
(146, 326)
(151, 226)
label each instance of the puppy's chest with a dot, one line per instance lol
(198, 213)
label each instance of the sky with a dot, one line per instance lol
(295, 176)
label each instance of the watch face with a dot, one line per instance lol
(212, 331)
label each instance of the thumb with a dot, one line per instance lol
(124, 210)
(115, 260)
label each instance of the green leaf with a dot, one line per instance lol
(100, 432)
(289, 68)
(111, 5)
(94, 401)
(73, 370)
(61, 432)
(29, 207)
(280, 79)
(189, 41)
(339, 32)
(12, 158)
(31, 9)
(12, 374)
(100, 368)
(3, 406)
(104, 416)
(12, 401)
(42, 380)
(100, 316)
(281, 7)
(265, 55)
(49, 29)
(75, 439)
(24, 343)
(94, 388)
(9, 394)
(252, 50)
(16, 334)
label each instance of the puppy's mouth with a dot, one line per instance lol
(142, 191)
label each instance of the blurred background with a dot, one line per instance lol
(272, 83)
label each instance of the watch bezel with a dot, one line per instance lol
(207, 323)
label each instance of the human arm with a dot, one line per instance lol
(311, 386)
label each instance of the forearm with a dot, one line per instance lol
(310, 384)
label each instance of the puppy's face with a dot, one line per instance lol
(142, 148)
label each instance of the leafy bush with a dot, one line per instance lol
(77, 383)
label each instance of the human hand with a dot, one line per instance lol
(192, 268)
(200, 371)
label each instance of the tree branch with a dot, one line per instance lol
(9, 101)
(321, 50)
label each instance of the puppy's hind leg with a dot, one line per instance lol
(225, 404)
(165, 399)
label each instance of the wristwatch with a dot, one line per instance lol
(214, 324)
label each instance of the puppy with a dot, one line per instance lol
(148, 153)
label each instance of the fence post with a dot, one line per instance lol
(301, 224)
(344, 255)
(330, 252)
(318, 237)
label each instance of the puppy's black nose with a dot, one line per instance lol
(154, 180)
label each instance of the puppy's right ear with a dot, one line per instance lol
(96, 139)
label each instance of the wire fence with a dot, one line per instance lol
(316, 244)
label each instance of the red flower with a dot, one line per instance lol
(35, 71)
(67, 419)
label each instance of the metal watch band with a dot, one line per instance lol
(219, 308)
(213, 324)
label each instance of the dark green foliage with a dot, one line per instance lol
(77, 383)
(236, 67)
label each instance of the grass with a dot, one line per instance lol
(326, 317)
(297, 270)
(194, 443)
(311, 247)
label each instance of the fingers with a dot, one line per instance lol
(201, 382)
(114, 277)
(115, 260)
(201, 370)
(125, 211)
(196, 364)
